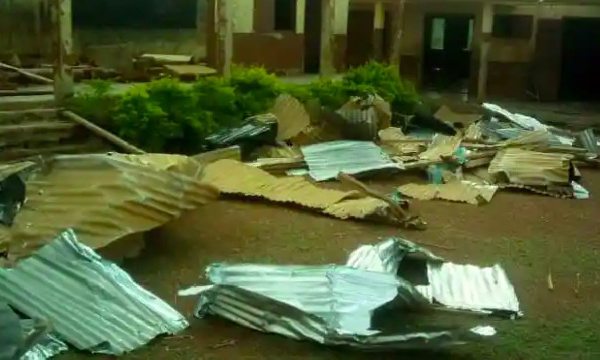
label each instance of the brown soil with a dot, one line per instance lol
(529, 234)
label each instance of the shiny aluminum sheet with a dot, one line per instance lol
(464, 287)
(90, 303)
(326, 160)
(47, 347)
(332, 305)
(588, 140)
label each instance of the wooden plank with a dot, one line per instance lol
(27, 115)
(30, 128)
(22, 154)
(102, 133)
(37, 138)
(27, 74)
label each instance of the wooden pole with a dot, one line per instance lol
(63, 49)
(485, 35)
(327, 67)
(27, 74)
(102, 133)
(395, 51)
(224, 37)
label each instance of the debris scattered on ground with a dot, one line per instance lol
(332, 305)
(235, 178)
(25, 338)
(91, 303)
(104, 198)
(372, 303)
(253, 133)
(326, 160)
(462, 287)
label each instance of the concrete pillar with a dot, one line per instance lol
(63, 49)
(224, 37)
(327, 66)
(395, 52)
(379, 23)
(485, 35)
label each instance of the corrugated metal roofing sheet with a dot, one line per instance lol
(48, 346)
(588, 139)
(531, 168)
(326, 160)
(291, 115)
(105, 197)
(458, 191)
(91, 303)
(332, 305)
(233, 177)
(441, 146)
(464, 287)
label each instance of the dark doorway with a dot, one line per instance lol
(447, 53)
(360, 37)
(580, 68)
(312, 36)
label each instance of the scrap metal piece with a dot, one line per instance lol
(105, 197)
(47, 345)
(588, 140)
(326, 160)
(235, 178)
(291, 116)
(531, 168)
(441, 147)
(458, 191)
(464, 287)
(90, 302)
(331, 305)
(524, 121)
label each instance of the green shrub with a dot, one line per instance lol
(386, 82)
(95, 104)
(255, 90)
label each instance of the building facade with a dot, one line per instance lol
(518, 50)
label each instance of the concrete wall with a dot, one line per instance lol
(24, 27)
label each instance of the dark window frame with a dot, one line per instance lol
(284, 15)
(508, 26)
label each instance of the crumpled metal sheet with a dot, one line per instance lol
(457, 191)
(464, 287)
(441, 146)
(469, 287)
(105, 197)
(525, 122)
(588, 140)
(531, 168)
(233, 177)
(47, 347)
(331, 305)
(90, 303)
(326, 160)
(291, 116)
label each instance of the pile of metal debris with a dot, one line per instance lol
(66, 218)
(468, 157)
(389, 296)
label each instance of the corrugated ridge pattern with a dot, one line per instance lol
(471, 287)
(233, 177)
(103, 198)
(291, 115)
(90, 303)
(326, 160)
(532, 168)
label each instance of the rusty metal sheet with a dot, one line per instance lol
(232, 177)
(104, 198)
(441, 146)
(458, 191)
(291, 115)
(395, 143)
(531, 168)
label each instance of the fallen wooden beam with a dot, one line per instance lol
(101, 132)
(27, 74)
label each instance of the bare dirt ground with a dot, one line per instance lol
(529, 235)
